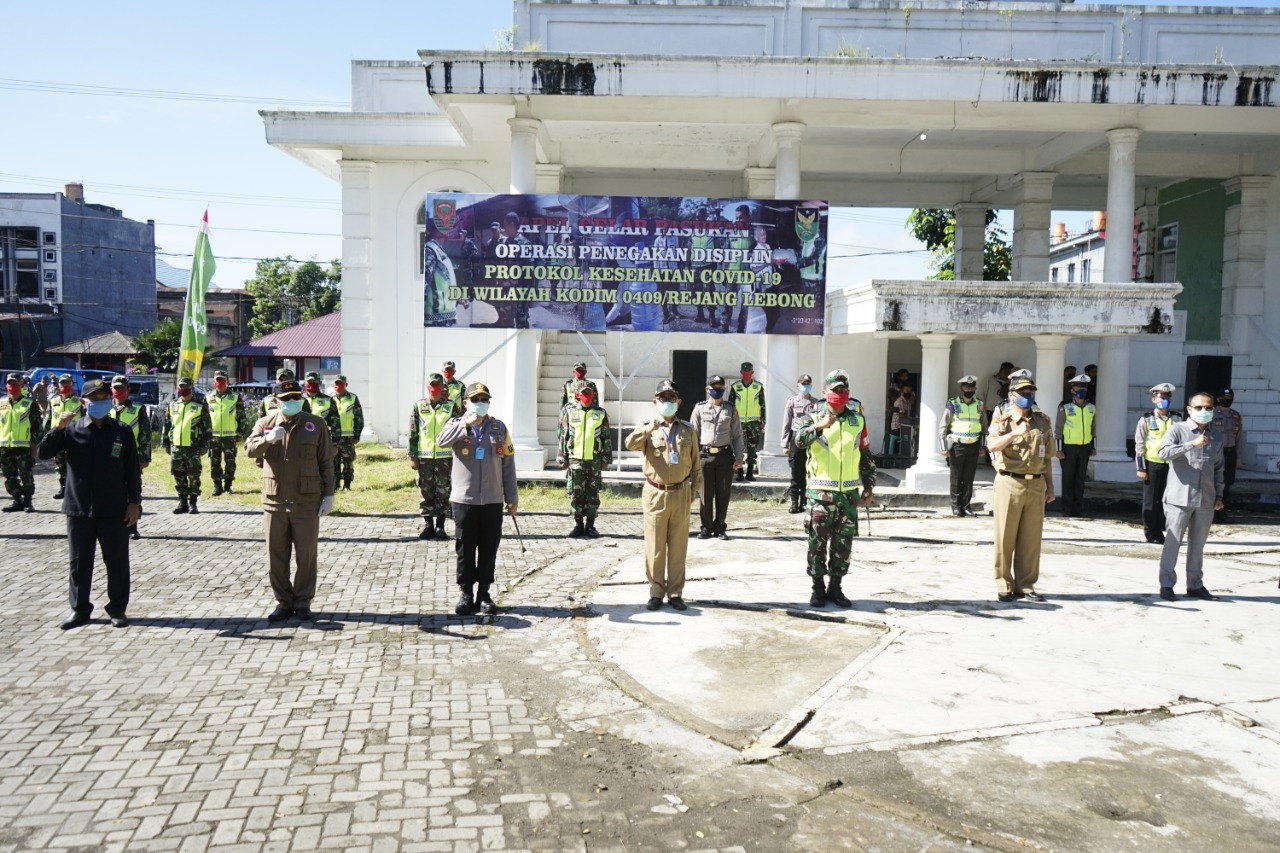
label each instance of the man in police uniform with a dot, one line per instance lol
(1076, 443)
(453, 388)
(1152, 470)
(720, 437)
(66, 401)
(297, 491)
(840, 465)
(432, 462)
(1230, 425)
(228, 423)
(20, 430)
(747, 396)
(797, 407)
(484, 480)
(1022, 438)
(964, 423)
(584, 452)
(673, 475)
(319, 403)
(133, 415)
(186, 437)
(350, 426)
(994, 389)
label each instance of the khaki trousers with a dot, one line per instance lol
(290, 534)
(666, 539)
(1019, 515)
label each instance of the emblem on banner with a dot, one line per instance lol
(807, 223)
(445, 211)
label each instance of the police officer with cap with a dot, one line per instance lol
(797, 407)
(185, 436)
(1076, 443)
(962, 437)
(720, 436)
(132, 414)
(20, 430)
(1152, 470)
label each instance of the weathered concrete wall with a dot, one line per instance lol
(109, 273)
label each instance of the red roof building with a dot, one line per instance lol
(313, 345)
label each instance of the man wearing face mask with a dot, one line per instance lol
(103, 499)
(584, 453)
(454, 389)
(484, 480)
(20, 429)
(1076, 443)
(432, 462)
(568, 397)
(1152, 470)
(268, 404)
(229, 424)
(185, 437)
(66, 401)
(1230, 425)
(840, 466)
(797, 407)
(350, 426)
(1022, 437)
(964, 423)
(673, 475)
(319, 403)
(720, 436)
(133, 415)
(1197, 477)
(747, 396)
(297, 490)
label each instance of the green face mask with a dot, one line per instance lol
(290, 407)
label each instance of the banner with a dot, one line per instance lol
(194, 321)
(624, 263)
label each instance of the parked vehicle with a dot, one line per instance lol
(78, 375)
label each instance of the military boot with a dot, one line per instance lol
(18, 505)
(182, 508)
(751, 472)
(62, 490)
(835, 595)
(741, 475)
(195, 510)
(578, 528)
(819, 597)
(226, 487)
(592, 533)
(28, 504)
(466, 601)
(795, 505)
(217, 488)
(428, 529)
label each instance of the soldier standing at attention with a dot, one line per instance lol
(797, 407)
(720, 436)
(433, 462)
(66, 401)
(1230, 425)
(1152, 470)
(570, 387)
(453, 388)
(186, 438)
(964, 423)
(673, 475)
(350, 426)
(840, 465)
(319, 403)
(1076, 443)
(228, 423)
(584, 451)
(20, 432)
(133, 415)
(268, 404)
(747, 396)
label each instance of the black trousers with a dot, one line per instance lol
(478, 530)
(799, 476)
(84, 535)
(1229, 455)
(1153, 500)
(964, 467)
(1075, 467)
(717, 480)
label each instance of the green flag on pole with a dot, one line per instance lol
(194, 321)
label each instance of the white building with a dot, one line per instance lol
(1164, 116)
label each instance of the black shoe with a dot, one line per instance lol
(58, 495)
(653, 604)
(134, 534)
(1202, 594)
(723, 534)
(195, 510)
(217, 489)
(466, 602)
(18, 505)
(303, 612)
(1166, 592)
(1033, 596)
(29, 505)
(958, 513)
(428, 532)
(704, 533)
(1006, 597)
(578, 530)
(836, 596)
(795, 505)
(74, 620)
(120, 621)
(487, 607)
(741, 475)
(677, 603)
(1159, 540)
(181, 508)
(751, 472)
(592, 533)
(819, 597)
(280, 614)
(440, 531)
(226, 487)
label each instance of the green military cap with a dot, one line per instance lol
(14, 379)
(119, 381)
(185, 382)
(746, 366)
(580, 365)
(835, 379)
(341, 377)
(65, 377)
(435, 379)
(283, 374)
(311, 376)
(580, 385)
(221, 374)
(449, 365)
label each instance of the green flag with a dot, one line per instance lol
(195, 326)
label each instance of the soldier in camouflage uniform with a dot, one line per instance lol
(433, 463)
(453, 388)
(67, 400)
(747, 396)
(350, 426)
(584, 451)
(229, 423)
(186, 434)
(835, 435)
(135, 416)
(20, 432)
(319, 403)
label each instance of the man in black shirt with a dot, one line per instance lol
(103, 499)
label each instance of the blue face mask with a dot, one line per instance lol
(805, 389)
(1079, 392)
(666, 408)
(481, 409)
(1162, 404)
(289, 408)
(715, 393)
(1025, 401)
(98, 409)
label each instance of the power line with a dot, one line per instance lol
(201, 195)
(50, 87)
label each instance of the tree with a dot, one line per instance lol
(936, 228)
(286, 291)
(158, 347)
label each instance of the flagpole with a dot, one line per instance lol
(195, 321)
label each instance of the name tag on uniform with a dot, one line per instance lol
(117, 449)
(1042, 451)
(674, 456)
(479, 452)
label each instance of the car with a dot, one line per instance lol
(145, 391)
(78, 375)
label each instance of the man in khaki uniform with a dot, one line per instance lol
(297, 489)
(1022, 438)
(673, 475)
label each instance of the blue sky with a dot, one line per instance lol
(165, 158)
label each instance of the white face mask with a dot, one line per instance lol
(1202, 416)
(666, 408)
(479, 409)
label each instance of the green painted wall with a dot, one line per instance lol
(1198, 207)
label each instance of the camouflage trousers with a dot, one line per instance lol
(60, 465)
(16, 464)
(344, 464)
(222, 458)
(184, 464)
(582, 482)
(435, 478)
(752, 431)
(832, 521)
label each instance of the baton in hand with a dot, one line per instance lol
(519, 535)
(867, 507)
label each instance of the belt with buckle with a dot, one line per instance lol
(1022, 476)
(679, 485)
(715, 450)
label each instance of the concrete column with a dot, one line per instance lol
(783, 353)
(1117, 263)
(930, 473)
(1051, 358)
(1113, 425)
(524, 154)
(971, 240)
(522, 353)
(358, 327)
(1031, 222)
(1244, 258)
(787, 168)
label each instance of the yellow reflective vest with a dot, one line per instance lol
(835, 458)
(586, 424)
(182, 420)
(431, 420)
(16, 421)
(222, 412)
(1077, 424)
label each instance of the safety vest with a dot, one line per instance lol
(966, 421)
(431, 419)
(741, 241)
(835, 459)
(346, 414)
(222, 411)
(15, 422)
(1156, 428)
(702, 244)
(60, 405)
(320, 405)
(182, 419)
(1077, 426)
(746, 399)
(130, 416)
(586, 424)
(454, 390)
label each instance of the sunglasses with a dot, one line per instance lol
(1200, 408)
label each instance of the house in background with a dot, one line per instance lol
(1078, 256)
(313, 345)
(227, 307)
